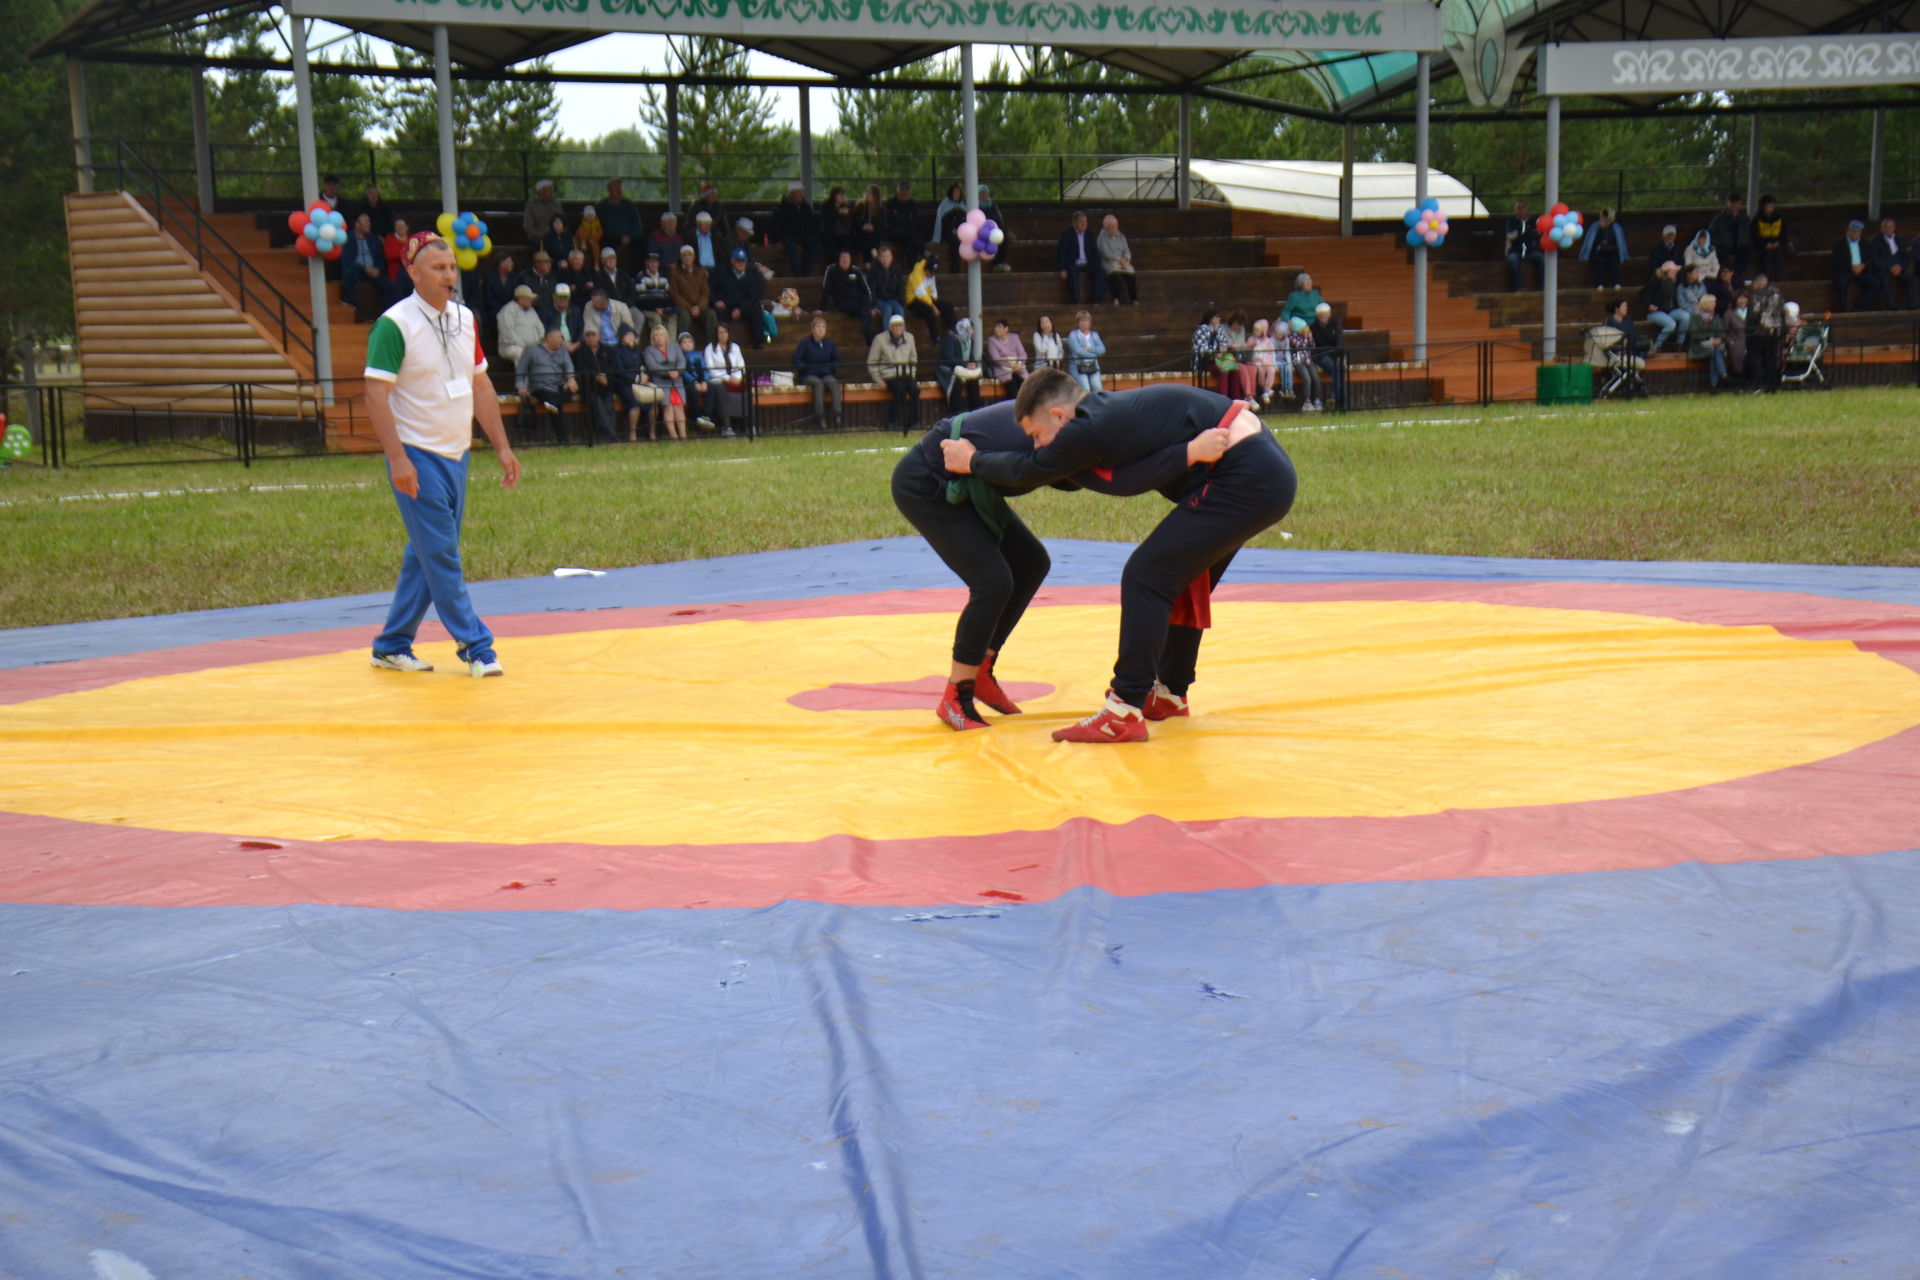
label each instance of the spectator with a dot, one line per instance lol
(887, 288)
(363, 263)
(629, 377)
(1299, 352)
(869, 216)
(330, 192)
(893, 362)
(1732, 233)
(378, 213)
(708, 202)
(543, 376)
(947, 218)
(497, 288)
(797, 228)
(1264, 363)
(1001, 261)
(1079, 258)
(923, 297)
(575, 275)
(1768, 318)
(666, 365)
(1330, 353)
(844, 290)
(1049, 350)
(1700, 252)
(836, 224)
(1619, 317)
(564, 316)
(653, 292)
(588, 234)
(1007, 359)
(665, 239)
(539, 277)
(541, 210)
(1664, 312)
(1892, 259)
(607, 314)
(1605, 246)
(1690, 292)
(617, 283)
(692, 292)
(956, 372)
(520, 325)
(1669, 249)
(695, 387)
(727, 376)
(1084, 349)
(1209, 343)
(1770, 238)
(738, 299)
(1722, 288)
(1852, 269)
(594, 370)
(1523, 246)
(816, 366)
(1742, 360)
(620, 225)
(1707, 340)
(1116, 261)
(393, 247)
(1301, 303)
(709, 250)
(744, 237)
(900, 223)
(1236, 369)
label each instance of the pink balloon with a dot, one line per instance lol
(1430, 236)
(975, 217)
(967, 252)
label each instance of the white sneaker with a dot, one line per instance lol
(480, 668)
(399, 662)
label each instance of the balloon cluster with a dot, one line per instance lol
(468, 236)
(980, 237)
(319, 232)
(1559, 228)
(1426, 224)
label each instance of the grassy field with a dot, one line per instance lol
(1805, 478)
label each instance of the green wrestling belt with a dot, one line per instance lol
(988, 501)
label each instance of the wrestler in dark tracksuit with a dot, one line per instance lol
(1217, 508)
(1002, 571)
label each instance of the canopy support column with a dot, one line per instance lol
(202, 139)
(806, 140)
(1183, 161)
(1550, 270)
(82, 137)
(970, 145)
(673, 148)
(1753, 163)
(1346, 179)
(1877, 167)
(1422, 96)
(443, 99)
(310, 191)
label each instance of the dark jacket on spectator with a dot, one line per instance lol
(820, 359)
(949, 228)
(886, 284)
(742, 290)
(352, 259)
(1732, 233)
(380, 215)
(587, 362)
(1880, 258)
(667, 246)
(618, 218)
(901, 224)
(618, 284)
(795, 223)
(496, 293)
(845, 291)
(558, 245)
(1662, 252)
(1329, 336)
(1660, 294)
(627, 363)
(1069, 253)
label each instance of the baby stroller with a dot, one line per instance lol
(1800, 362)
(1619, 363)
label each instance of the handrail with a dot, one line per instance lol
(283, 310)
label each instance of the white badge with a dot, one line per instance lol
(459, 388)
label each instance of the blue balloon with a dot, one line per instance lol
(1413, 238)
(1430, 203)
(1437, 243)
(312, 230)
(1410, 217)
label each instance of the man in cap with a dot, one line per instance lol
(521, 325)
(708, 202)
(1852, 269)
(796, 228)
(894, 362)
(620, 227)
(539, 277)
(709, 250)
(541, 210)
(566, 317)
(544, 378)
(575, 274)
(666, 240)
(426, 382)
(691, 289)
(1892, 259)
(900, 223)
(1669, 249)
(1330, 352)
(738, 298)
(653, 291)
(618, 284)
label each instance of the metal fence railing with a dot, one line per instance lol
(149, 424)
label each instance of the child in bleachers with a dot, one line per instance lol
(589, 234)
(1265, 365)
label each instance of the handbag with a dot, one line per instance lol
(647, 395)
(1225, 362)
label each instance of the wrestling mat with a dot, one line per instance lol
(1514, 920)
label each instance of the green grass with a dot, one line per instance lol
(1810, 478)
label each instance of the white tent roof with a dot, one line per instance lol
(1304, 188)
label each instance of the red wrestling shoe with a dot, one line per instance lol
(1116, 721)
(1164, 704)
(956, 709)
(986, 689)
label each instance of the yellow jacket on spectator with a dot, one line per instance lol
(921, 286)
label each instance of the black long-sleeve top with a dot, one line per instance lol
(994, 430)
(1110, 431)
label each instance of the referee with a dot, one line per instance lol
(426, 382)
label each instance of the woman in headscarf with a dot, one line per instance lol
(1700, 253)
(957, 373)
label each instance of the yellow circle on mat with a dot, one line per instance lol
(670, 735)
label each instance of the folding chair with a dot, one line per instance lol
(1619, 365)
(1805, 352)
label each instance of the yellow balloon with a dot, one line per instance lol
(466, 259)
(445, 225)
(486, 246)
